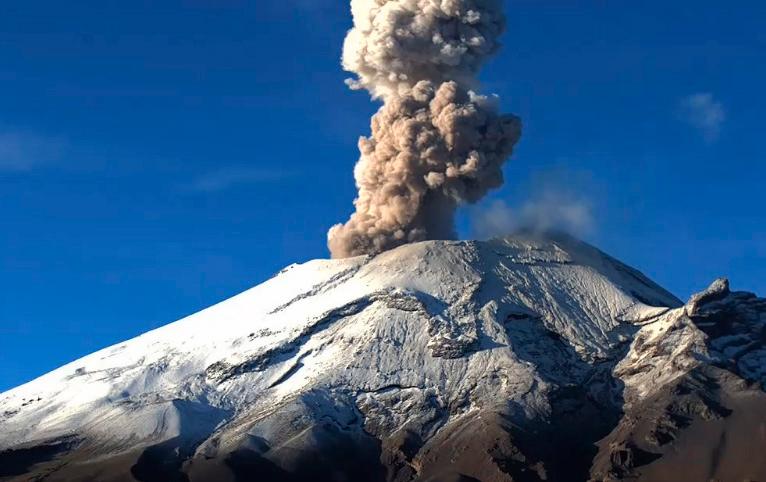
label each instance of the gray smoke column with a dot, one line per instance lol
(435, 143)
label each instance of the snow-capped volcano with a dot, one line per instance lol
(501, 360)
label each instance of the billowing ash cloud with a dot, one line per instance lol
(435, 143)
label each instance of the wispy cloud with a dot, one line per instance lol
(552, 209)
(703, 112)
(224, 179)
(24, 151)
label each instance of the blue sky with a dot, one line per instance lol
(156, 160)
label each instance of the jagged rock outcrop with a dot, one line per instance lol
(694, 391)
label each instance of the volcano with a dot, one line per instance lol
(527, 358)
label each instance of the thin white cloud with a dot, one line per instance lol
(24, 151)
(224, 179)
(703, 112)
(552, 210)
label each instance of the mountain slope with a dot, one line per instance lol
(693, 389)
(500, 360)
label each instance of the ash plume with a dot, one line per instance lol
(435, 142)
(552, 211)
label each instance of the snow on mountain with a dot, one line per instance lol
(715, 326)
(386, 359)
(694, 379)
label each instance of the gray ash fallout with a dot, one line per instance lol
(435, 142)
